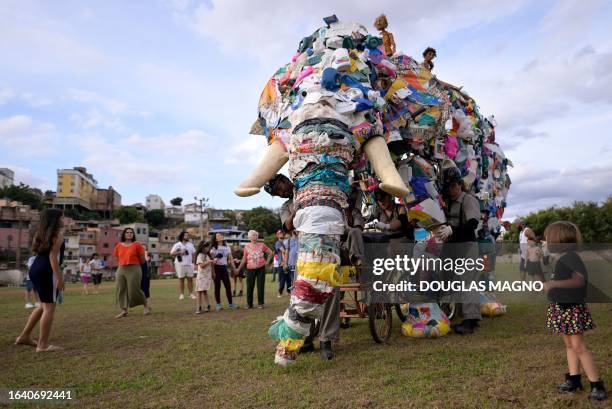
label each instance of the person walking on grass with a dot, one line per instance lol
(30, 293)
(184, 253)
(524, 233)
(145, 279)
(96, 271)
(239, 275)
(255, 261)
(47, 279)
(222, 258)
(130, 255)
(533, 256)
(279, 249)
(204, 277)
(85, 271)
(568, 314)
(285, 278)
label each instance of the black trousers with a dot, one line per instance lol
(222, 275)
(259, 275)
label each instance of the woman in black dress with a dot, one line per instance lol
(46, 276)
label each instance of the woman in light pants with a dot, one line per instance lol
(130, 255)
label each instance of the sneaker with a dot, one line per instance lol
(279, 296)
(208, 308)
(249, 307)
(181, 297)
(219, 307)
(192, 296)
(199, 311)
(233, 307)
(260, 306)
(29, 305)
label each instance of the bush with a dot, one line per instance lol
(594, 221)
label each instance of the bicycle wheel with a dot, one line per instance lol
(381, 322)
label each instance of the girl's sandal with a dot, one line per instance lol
(147, 311)
(121, 314)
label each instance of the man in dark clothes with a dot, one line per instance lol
(459, 234)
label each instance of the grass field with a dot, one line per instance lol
(175, 359)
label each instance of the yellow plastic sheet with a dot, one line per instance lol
(292, 345)
(319, 271)
(346, 272)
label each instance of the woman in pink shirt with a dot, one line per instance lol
(255, 259)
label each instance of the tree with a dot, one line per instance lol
(24, 194)
(155, 218)
(127, 215)
(264, 220)
(231, 215)
(177, 201)
(593, 220)
(270, 240)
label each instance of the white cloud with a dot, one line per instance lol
(569, 22)
(190, 92)
(94, 118)
(190, 143)
(535, 187)
(34, 100)
(8, 95)
(249, 151)
(271, 30)
(35, 43)
(28, 177)
(22, 136)
(102, 111)
(150, 161)
(111, 105)
(15, 125)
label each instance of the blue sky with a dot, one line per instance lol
(158, 97)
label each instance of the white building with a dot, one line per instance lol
(154, 249)
(71, 253)
(195, 218)
(174, 212)
(7, 177)
(194, 214)
(155, 202)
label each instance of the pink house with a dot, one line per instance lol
(108, 237)
(9, 238)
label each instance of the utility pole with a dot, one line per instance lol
(18, 255)
(203, 205)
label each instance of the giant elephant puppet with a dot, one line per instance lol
(321, 113)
